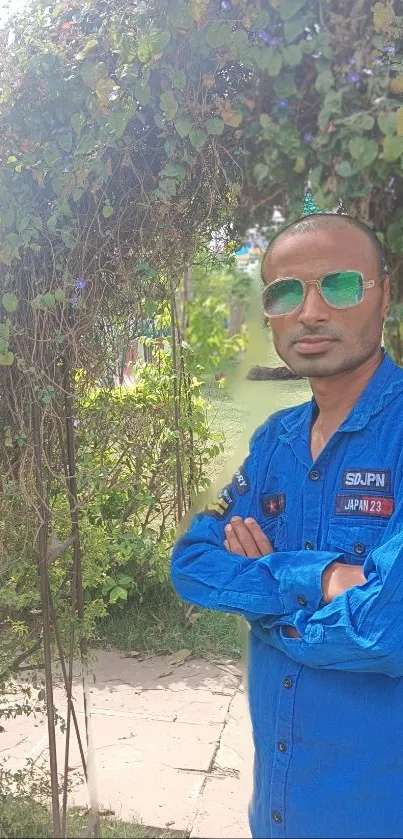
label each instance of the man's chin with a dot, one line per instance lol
(313, 366)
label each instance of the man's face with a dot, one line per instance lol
(351, 336)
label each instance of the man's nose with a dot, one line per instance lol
(314, 309)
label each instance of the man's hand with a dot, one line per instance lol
(338, 577)
(246, 537)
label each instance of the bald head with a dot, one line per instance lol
(329, 221)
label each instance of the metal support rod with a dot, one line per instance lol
(77, 588)
(41, 547)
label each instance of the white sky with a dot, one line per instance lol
(9, 6)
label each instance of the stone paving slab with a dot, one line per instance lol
(222, 807)
(171, 743)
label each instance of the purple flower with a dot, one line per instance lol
(270, 40)
(282, 103)
(390, 49)
(226, 6)
(379, 60)
(80, 283)
(308, 137)
(352, 60)
(353, 77)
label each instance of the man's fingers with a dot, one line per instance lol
(234, 545)
(262, 541)
(245, 538)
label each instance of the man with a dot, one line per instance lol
(306, 544)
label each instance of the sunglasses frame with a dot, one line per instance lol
(318, 283)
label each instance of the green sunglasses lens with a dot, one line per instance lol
(342, 289)
(282, 297)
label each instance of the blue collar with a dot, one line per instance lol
(379, 391)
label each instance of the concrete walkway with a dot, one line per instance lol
(172, 743)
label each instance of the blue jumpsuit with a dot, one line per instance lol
(326, 708)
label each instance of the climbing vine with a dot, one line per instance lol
(129, 134)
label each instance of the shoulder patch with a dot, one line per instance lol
(223, 505)
(241, 481)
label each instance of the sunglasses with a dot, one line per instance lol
(339, 289)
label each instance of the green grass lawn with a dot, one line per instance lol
(20, 818)
(158, 626)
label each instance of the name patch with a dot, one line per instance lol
(364, 505)
(241, 482)
(369, 478)
(221, 506)
(273, 505)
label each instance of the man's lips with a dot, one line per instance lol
(313, 344)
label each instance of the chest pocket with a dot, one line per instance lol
(355, 542)
(275, 529)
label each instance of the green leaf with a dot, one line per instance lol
(183, 126)
(144, 50)
(168, 104)
(218, 35)
(266, 122)
(90, 45)
(392, 148)
(77, 121)
(9, 302)
(6, 359)
(107, 211)
(49, 300)
(4, 332)
(359, 122)
(267, 59)
(344, 169)
(117, 593)
(178, 78)
(387, 122)
(7, 216)
(289, 8)
(363, 151)
(394, 235)
(214, 126)
(142, 93)
(86, 144)
(60, 295)
(292, 55)
(324, 81)
(124, 580)
(284, 85)
(293, 29)
(66, 141)
(174, 170)
(260, 171)
(197, 138)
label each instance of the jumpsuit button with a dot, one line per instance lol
(302, 600)
(309, 546)
(359, 548)
(282, 747)
(287, 682)
(314, 475)
(276, 816)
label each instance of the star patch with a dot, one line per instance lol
(273, 505)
